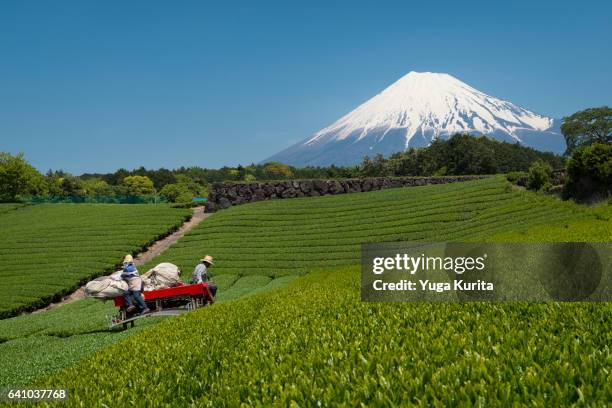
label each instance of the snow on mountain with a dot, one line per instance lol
(420, 107)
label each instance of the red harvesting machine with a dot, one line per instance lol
(164, 302)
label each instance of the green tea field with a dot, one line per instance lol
(35, 345)
(305, 205)
(309, 340)
(315, 343)
(47, 250)
(256, 243)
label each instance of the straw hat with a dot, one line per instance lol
(128, 258)
(208, 259)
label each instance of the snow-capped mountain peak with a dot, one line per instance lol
(416, 109)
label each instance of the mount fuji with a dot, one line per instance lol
(418, 108)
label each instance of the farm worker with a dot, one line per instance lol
(135, 285)
(200, 273)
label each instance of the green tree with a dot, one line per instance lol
(405, 163)
(53, 183)
(367, 167)
(589, 173)
(278, 170)
(18, 177)
(72, 186)
(234, 174)
(195, 189)
(583, 128)
(176, 193)
(539, 176)
(465, 154)
(138, 185)
(375, 167)
(250, 173)
(97, 188)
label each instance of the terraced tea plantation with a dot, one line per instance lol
(35, 345)
(4, 208)
(315, 343)
(46, 250)
(310, 340)
(292, 237)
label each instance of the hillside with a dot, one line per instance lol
(248, 342)
(38, 344)
(46, 250)
(315, 342)
(258, 242)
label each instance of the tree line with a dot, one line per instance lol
(588, 136)
(587, 160)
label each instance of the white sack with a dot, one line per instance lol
(106, 287)
(164, 275)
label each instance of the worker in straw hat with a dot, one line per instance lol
(201, 273)
(135, 286)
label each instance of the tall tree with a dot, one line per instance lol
(583, 128)
(17, 177)
(138, 185)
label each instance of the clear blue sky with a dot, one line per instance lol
(98, 85)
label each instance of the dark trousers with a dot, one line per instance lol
(211, 286)
(136, 294)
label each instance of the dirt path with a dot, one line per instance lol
(160, 246)
(143, 257)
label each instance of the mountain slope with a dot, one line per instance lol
(414, 110)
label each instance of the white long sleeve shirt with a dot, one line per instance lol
(200, 274)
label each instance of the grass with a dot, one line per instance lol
(47, 250)
(315, 343)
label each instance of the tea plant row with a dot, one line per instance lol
(315, 343)
(47, 250)
(291, 237)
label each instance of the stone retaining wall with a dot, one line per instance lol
(224, 195)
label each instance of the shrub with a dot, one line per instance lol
(590, 173)
(539, 175)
